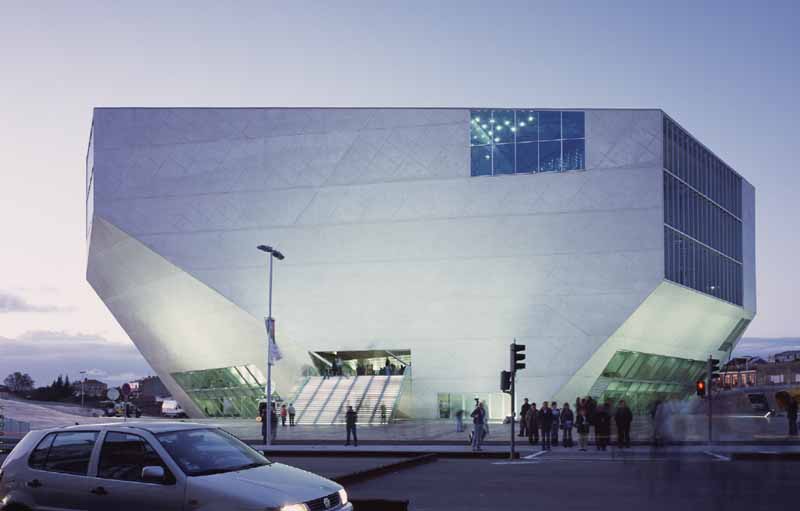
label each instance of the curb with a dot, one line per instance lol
(366, 453)
(765, 456)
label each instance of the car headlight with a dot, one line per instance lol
(295, 507)
(343, 496)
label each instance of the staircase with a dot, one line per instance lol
(325, 400)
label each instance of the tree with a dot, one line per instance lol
(18, 382)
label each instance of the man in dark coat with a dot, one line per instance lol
(623, 418)
(602, 427)
(546, 424)
(523, 416)
(350, 419)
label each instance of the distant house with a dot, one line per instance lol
(92, 388)
(780, 373)
(741, 372)
(787, 356)
(152, 387)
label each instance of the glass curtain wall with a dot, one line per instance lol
(498, 404)
(702, 218)
(641, 379)
(224, 392)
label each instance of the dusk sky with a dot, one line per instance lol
(726, 70)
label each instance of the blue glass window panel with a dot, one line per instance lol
(503, 158)
(549, 156)
(503, 126)
(528, 157)
(573, 123)
(479, 127)
(549, 125)
(527, 126)
(574, 155)
(481, 160)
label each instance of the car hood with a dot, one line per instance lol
(272, 485)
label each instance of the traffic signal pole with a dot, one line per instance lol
(513, 408)
(516, 363)
(709, 396)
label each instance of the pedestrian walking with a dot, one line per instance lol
(383, 413)
(291, 414)
(284, 414)
(623, 418)
(602, 427)
(478, 416)
(546, 424)
(567, 421)
(582, 425)
(350, 420)
(523, 414)
(460, 421)
(556, 422)
(791, 413)
(532, 424)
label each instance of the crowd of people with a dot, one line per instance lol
(547, 422)
(363, 368)
(553, 425)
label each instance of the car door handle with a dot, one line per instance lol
(35, 483)
(99, 491)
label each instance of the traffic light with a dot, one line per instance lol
(505, 381)
(517, 357)
(700, 387)
(713, 368)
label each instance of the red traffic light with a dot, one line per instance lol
(700, 386)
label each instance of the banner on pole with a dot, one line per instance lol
(274, 351)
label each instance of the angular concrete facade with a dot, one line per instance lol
(390, 243)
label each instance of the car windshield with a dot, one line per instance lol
(209, 451)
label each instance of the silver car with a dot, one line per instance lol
(155, 466)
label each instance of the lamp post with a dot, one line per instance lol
(83, 391)
(273, 254)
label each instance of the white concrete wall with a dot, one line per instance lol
(389, 241)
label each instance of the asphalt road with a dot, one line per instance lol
(592, 483)
(569, 481)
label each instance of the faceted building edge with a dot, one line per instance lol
(620, 258)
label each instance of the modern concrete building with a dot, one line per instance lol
(613, 244)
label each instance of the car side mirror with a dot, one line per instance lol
(153, 474)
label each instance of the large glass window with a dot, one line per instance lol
(702, 217)
(691, 264)
(224, 392)
(642, 379)
(699, 168)
(123, 456)
(525, 141)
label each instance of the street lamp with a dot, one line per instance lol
(273, 254)
(83, 392)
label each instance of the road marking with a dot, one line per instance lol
(517, 462)
(534, 455)
(717, 456)
(767, 452)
